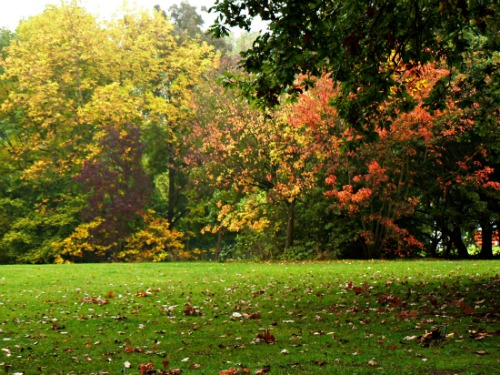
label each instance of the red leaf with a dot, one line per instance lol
(146, 369)
(267, 337)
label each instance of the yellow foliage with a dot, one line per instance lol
(78, 243)
(70, 76)
(155, 242)
(246, 214)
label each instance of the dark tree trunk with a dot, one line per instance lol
(290, 208)
(487, 240)
(172, 193)
(432, 248)
(220, 234)
(456, 237)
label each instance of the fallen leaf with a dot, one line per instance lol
(191, 310)
(263, 370)
(230, 371)
(174, 371)
(236, 315)
(320, 363)
(410, 338)
(147, 368)
(266, 337)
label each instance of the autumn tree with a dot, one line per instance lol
(350, 40)
(307, 39)
(257, 166)
(45, 131)
(76, 85)
(418, 170)
(165, 135)
(188, 23)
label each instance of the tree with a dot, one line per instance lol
(258, 160)
(188, 24)
(165, 136)
(353, 40)
(424, 161)
(368, 61)
(50, 78)
(117, 190)
(73, 85)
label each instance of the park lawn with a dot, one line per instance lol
(345, 317)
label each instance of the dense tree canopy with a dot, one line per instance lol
(118, 144)
(368, 49)
(79, 95)
(355, 40)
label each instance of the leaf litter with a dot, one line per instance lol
(363, 312)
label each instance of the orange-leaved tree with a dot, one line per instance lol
(256, 162)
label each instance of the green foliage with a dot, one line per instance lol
(75, 96)
(188, 24)
(385, 140)
(317, 37)
(299, 252)
(31, 232)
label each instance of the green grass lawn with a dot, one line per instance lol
(402, 317)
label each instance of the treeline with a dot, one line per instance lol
(117, 143)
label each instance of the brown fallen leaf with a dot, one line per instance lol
(263, 370)
(192, 310)
(466, 309)
(147, 368)
(235, 371)
(266, 337)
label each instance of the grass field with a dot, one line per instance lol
(401, 317)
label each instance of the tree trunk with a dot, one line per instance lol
(456, 237)
(219, 244)
(290, 208)
(172, 194)
(432, 248)
(487, 240)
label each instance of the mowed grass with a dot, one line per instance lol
(206, 318)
